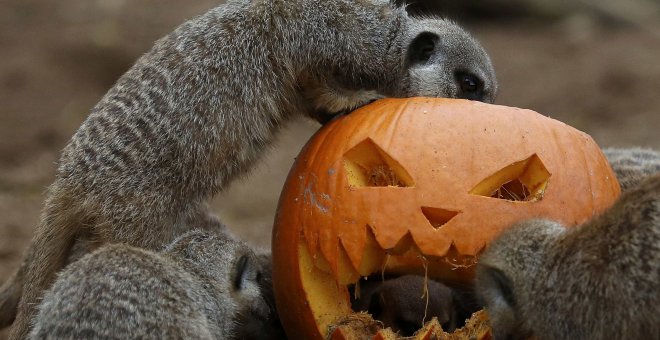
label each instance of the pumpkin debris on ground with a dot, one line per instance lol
(360, 326)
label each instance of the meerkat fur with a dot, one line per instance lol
(200, 287)
(600, 280)
(198, 109)
(632, 165)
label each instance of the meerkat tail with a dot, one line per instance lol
(10, 294)
(45, 259)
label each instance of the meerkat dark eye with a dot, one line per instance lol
(471, 87)
(241, 272)
(469, 83)
(426, 52)
(422, 48)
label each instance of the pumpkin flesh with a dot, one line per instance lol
(420, 186)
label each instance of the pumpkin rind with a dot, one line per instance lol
(431, 157)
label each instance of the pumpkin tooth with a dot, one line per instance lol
(405, 244)
(346, 272)
(373, 257)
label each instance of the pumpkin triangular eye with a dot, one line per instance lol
(524, 180)
(368, 165)
(438, 217)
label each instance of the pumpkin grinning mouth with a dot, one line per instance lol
(404, 258)
(417, 289)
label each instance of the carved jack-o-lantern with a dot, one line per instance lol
(421, 186)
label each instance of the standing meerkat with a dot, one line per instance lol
(198, 110)
(599, 280)
(202, 286)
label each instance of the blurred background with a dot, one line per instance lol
(594, 64)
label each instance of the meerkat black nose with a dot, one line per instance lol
(470, 86)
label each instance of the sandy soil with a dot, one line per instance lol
(58, 57)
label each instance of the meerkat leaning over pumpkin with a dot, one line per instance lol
(595, 281)
(199, 109)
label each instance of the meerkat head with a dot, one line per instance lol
(234, 274)
(425, 58)
(443, 60)
(504, 272)
(399, 303)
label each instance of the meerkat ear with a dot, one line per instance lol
(187, 244)
(422, 48)
(241, 272)
(499, 286)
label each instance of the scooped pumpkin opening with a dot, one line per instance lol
(524, 180)
(332, 296)
(368, 165)
(406, 303)
(438, 217)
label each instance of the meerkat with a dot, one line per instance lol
(271, 327)
(404, 303)
(599, 280)
(631, 165)
(396, 301)
(202, 286)
(198, 109)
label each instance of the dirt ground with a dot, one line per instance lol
(58, 57)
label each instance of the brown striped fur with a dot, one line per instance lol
(600, 280)
(198, 109)
(202, 286)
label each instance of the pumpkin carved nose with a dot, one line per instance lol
(437, 216)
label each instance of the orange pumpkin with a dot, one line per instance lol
(420, 185)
